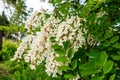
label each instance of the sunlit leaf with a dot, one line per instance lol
(97, 78)
(112, 77)
(115, 57)
(55, 46)
(74, 64)
(64, 68)
(106, 43)
(117, 45)
(61, 59)
(69, 76)
(107, 67)
(60, 51)
(101, 58)
(87, 72)
(71, 53)
(66, 45)
(114, 39)
(87, 66)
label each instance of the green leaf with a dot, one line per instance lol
(87, 66)
(107, 67)
(71, 53)
(39, 78)
(42, 23)
(117, 45)
(114, 39)
(63, 68)
(101, 39)
(97, 78)
(69, 76)
(61, 59)
(101, 59)
(107, 34)
(106, 44)
(60, 51)
(37, 29)
(55, 46)
(118, 52)
(92, 53)
(112, 77)
(97, 35)
(52, 39)
(88, 72)
(66, 44)
(115, 57)
(74, 64)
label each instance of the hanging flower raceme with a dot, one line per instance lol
(36, 48)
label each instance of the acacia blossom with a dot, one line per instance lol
(38, 47)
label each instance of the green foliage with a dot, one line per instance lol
(21, 71)
(8, 50)
(99, 60)
(66, 54)
(11, 30)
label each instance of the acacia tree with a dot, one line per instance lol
(76, 42)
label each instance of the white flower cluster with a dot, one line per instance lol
(22, 47)
(71, 30)
(51, 64)
(35, 20)
(39, 48)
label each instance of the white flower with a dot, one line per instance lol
(13, 59)
(32, 66)
(27, 59)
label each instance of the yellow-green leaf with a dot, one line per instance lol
(61, 59)
(101, 59)
(117, 45)
(88, 72)
(114, 39)
(112, 77)
(97, 78)
(107, 67)
(60, 51)
(64, 68)
(74, 64)
(87, 66)
(71, 53)
(69, 76)
(66, 45)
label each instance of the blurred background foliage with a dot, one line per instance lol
(8, 50)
